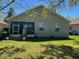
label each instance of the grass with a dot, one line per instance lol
(70, 42)
(35, 47)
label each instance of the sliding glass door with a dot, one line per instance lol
(29, 28)
(16, 29)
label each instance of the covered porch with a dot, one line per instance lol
(22, 29)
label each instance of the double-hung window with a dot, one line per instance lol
(57, 27)
(41, 26)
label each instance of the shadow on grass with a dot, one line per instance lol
(11, 50)
(38, 39)
(59, 52)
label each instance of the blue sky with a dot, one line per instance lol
(22, 6)
(72, 13)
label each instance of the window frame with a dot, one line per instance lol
(14, 30)
(41, 26)
(57, 27)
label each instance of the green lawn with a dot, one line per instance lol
(70, 42)
(35, 47)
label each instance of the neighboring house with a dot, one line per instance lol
(74, 26)
(39, 22)
(3, 25)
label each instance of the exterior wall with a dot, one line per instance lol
(49, 24)
(75, 27)
(64, 27)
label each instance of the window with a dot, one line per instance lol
(57, 28)
(29, 27)
(41, 26)
(16, 29)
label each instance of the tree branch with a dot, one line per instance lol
(58, 4)
(7, 5)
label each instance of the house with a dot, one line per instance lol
(39, 22)
(74, 26)
(3, 25)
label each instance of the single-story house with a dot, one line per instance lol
(40, 22)
(74, 26)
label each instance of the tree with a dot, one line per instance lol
(10, 12)
(53, 4)
(9, 5)
(56, 4)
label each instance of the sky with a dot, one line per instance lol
(72, 13)
(23, 5)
